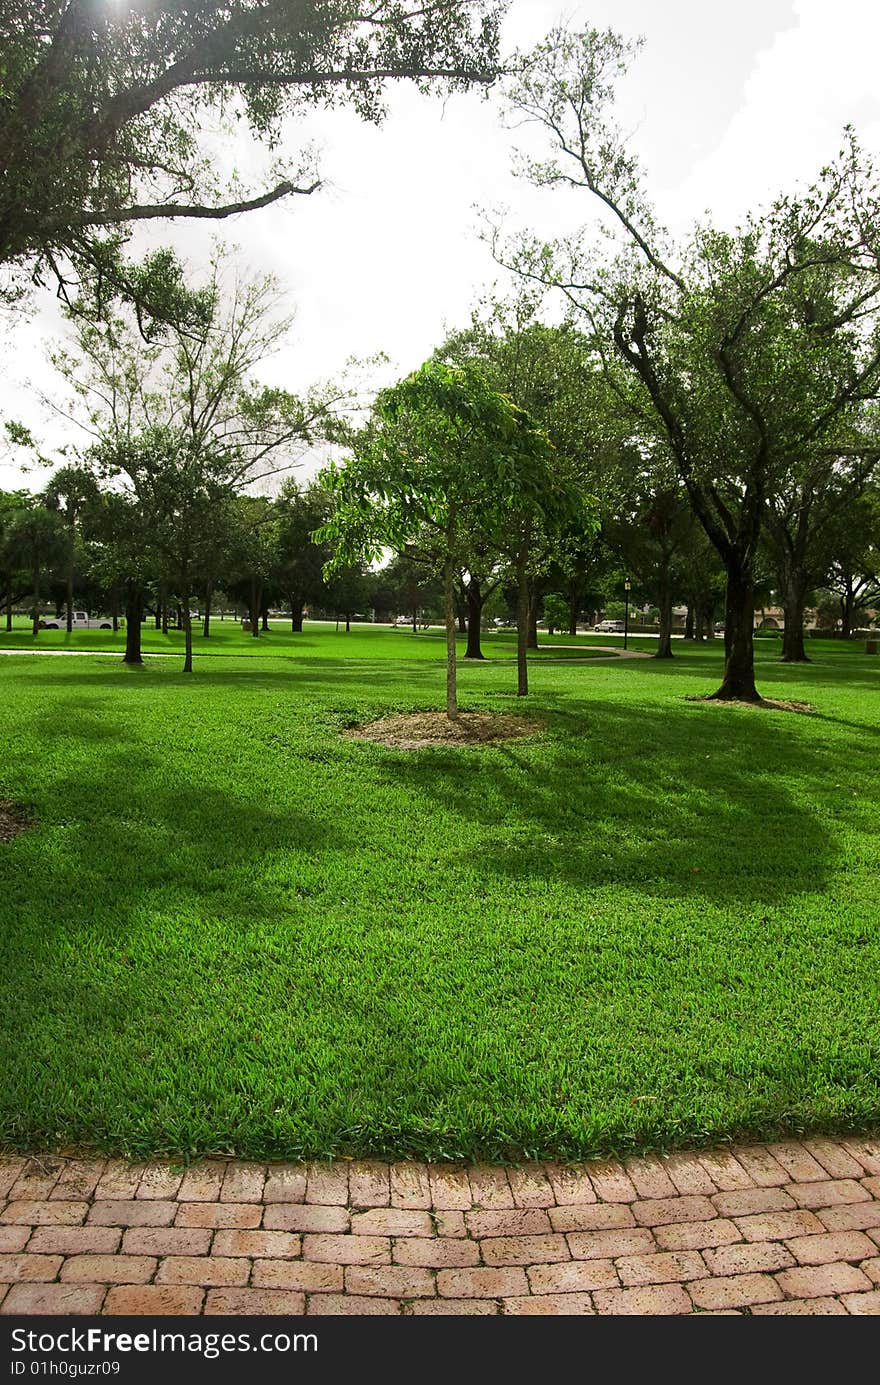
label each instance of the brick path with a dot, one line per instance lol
(783, 1228)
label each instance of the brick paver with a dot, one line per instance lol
(791, 1228)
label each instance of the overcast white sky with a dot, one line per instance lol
(729, 105)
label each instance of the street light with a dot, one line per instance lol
(626, 590)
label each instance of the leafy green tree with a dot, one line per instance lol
(71, 491)
(300, 560)
(444, 449)
(37, 540)
(750, 370)
(104, 105)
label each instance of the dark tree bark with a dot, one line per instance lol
(449, 615)
(461, 612)
(534, 601)
(738, 683)
(264, 616)
(348, 622)
(187, 623)
(475, 615)
(574, 604)
(689, 622)
(255, 604)
(664, 641)
(164, 612)
(9, 608)
(415, 620)
(523, 613)
(134, 610)
(206, 623)
(296, 615)
(36, 584)
(793, 602)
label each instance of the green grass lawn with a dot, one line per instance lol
(231, 929)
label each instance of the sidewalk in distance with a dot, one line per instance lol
(790, 1228)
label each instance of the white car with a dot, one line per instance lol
(609, 627)
(81, 621)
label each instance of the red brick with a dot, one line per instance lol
(75, 1240)
(867, 1152)
(78, 1179)
(296, 1216)
(739, 1291)
(571, 1184)
(122, 1213)
(724, 1170)
(284, 1183)
(611, 1181)
(524, 1250)
(10, 1169)
(831, 1193)
(800, 1307)
(108, 1269)
(696, 1235)
(391, 1221)
(36, 1180)
(509, 1282)
(162, 1300)
(15, 1238)
(654, 1300)
(369, 1184)
(490, 1188)
(119, 1180)
(602, 1245)
(264, 1245)
(520, 1221)
(667, 1267)
(256, 1302)
(762, 1168)
(410, 1186)
(449, 1223)
(348, 1250)
(530, 1187)
(688, 1175)
(450, 1188)
(437, 1252)
(856, 1216)
(20, 1267)
(550, 1305)
(758, 1257)
(243, 1182)
(350, 1305)
(230, 1216)
(26, 1213)
(457, 1307)
(823, 1279)
(867, 1305)
(871, 1268)
(836, 1245)
(751, 1201)
(305, 1275)
(206, 1270)
(390, 1281)
(778, 1226)
(871, 1184)
(575, 1276)
(662, 1211)
(797, 1161)
(834, 1159)
(600, 1216)
(202, 1182)
(160, 1181)
(167, 1240)
(57, 1299)
(649, 1177)
(327, 1184)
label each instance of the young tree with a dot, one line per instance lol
(37, 540)
(749, 371)
(105, 102)
(300, 560)
(444, 452)
(71, 491)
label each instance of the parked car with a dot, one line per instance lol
(609, 627)
(81, 621)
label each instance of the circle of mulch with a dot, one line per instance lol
(420, 730)
(13, 819)
(778, 704)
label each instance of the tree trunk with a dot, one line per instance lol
(206, 624)
(264, 614)
(475, 615)
(187, 624)
(36, 619)
(348, 622)
(461, 613)
(793, 601)
(664, 641)
(296, 614)
(533, 618)
(523, 614)
(847, 606)
(69, 598)
(9, 608)
(164, 612)
(256, 602)
(134, 608)
(449, 613)
(415, 620)
(738, 684)
(689, 631)
(573, 613)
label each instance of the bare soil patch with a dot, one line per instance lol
(418, 730)
(778, 703)
(13, 819)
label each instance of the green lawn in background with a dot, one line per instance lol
(231, 929)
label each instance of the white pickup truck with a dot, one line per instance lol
(81, 621)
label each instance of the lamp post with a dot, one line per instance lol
(626, 590)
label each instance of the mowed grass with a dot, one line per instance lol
(230, 929)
